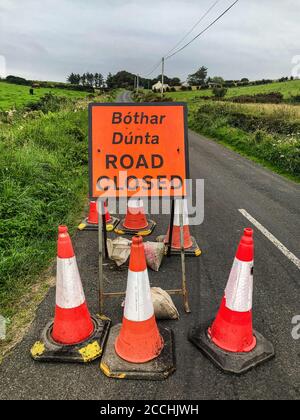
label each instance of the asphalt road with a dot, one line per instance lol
(231, 183)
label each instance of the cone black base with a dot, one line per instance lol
(47, 350)
(158, 369)
(234, 363)
(194, 251)
(110, 226)
(122, 230)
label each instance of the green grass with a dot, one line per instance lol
(43, 183)
(16, 96)
(288, 89)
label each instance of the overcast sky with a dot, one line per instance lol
(48, 39)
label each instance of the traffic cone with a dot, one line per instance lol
(91, 223)
(190, 244)
(139, 340)
(138, 349)
(73, 336)
(230, 342)
(135, 222)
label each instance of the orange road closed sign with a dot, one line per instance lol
(138, 149)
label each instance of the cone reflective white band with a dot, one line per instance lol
(178, 212)
(135, 203)
(138, 304)
(239, 290)
(69, 291)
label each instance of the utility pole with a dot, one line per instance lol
(137, 83)
(162, 76)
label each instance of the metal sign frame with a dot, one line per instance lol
(102, 240)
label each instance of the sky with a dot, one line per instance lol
(49, 39)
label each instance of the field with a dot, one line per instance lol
(16, 96)
(287, 89)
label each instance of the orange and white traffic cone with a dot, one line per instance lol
(91, 223)
(139, 340)
(73, 336)
(135, 222)
(72, 322)
(230, 342)
(138, 349)
(190, 244)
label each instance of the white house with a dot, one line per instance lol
(158, 86)
(185, 84)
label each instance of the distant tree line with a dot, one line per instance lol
(87, 82)
(44, 84)
(122, 79)
(95, 80)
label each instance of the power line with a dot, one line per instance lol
(180, 42)
(194, 27)
(202, 32)
(153, 69)
(196, 37)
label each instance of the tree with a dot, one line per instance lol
(198, 78)
(83, 79)
(99, 80)
(77, 79)
(175, 81)
(218, 80)
(220, 92)
(96, 80)
(72, 79)
(110, 81)
(90, 79)
(122, 79)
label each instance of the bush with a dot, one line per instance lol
(18, 81)
(150, 97)
(49, 103)
(229, 84)
(295, 99)
(220, 92)
(260, 98)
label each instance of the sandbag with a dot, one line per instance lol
(154, 254)
(119, 250)
(164, 307)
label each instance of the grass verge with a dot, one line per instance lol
(270, 137)
(43, 183)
